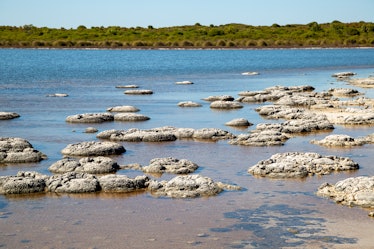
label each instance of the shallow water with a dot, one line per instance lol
(266, 214)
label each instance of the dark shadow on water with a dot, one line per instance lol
(277, 226)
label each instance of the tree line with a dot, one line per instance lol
(334, 34)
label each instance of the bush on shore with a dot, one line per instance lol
(335, 34)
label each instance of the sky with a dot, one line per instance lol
(167, 13)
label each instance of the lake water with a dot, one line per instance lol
(266, 214)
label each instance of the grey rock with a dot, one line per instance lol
(90, 118)
(91, 130)
(364, 83)
(91, 165)
(343, 74)
(184, 82)
(301, 164)
(93, 148)
(212, 134)
(339, 140)
(122, 183)
(23, 183)
(8, 115)
(353, 191)
(170, 165)
(266, 137)
(130, 117)
(138, 92)
(123, 108)
(58, 95)
(18, 150)
(238, 122)
(164, 134)
(219, 98)
(186, 186)
(73, 182)
(344, 92)
(189, 104)
(219, 104)
(128, 86)
(137, 135)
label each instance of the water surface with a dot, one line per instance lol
(266, 214)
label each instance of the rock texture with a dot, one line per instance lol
(164, 134)
(138, 92)
(188, 186)
(354, 191)
(219, 98)
(130, 117)
(364, 83)
(18, 150)
(123, 108)
(90, 118)
(91, 165)
(260, 138)
(122, 183)
(338, 140)
(189, 104)
(170, 165)
(343, 74)
(73, 182)
(22, 183)
(238, 122)
(219, 104)
(8, 115)
(298, 164)
(93, 148)
(184, 82)
(344, 92)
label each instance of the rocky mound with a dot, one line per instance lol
(219, 104)
(163, 134)
(299, 164)
(339, 140)
(90, 118)
(188, 186)
(122, 183)
(138, 92)
(123, 108)
(8, 115)
(73, 182)
(18, 150)
(265, 137)
(352, 191)
(189, 104)
(130, 117)
(93, 149)
(23, 183)
(219, 98)
(238, 122)
(170, 165)
(91, 165)
(364, 83)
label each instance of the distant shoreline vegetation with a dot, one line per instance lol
(334, 34)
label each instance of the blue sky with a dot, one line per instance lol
(165, 13)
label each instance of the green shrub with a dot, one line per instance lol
(208, 44)
(38, 43)
(251, 43)
(139, 44)
(186, 43)
(221, 43)
(231, 44)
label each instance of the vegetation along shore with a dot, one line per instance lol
(334, 34)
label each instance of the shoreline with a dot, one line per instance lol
(190, 48)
